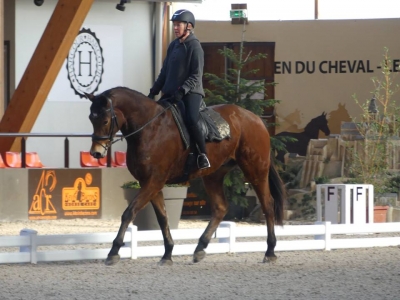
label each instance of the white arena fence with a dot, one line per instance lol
(322, 238)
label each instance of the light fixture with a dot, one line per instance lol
(38, 2)
(121, 5)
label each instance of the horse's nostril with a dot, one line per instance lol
(96, 154)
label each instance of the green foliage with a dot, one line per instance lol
(392, 184)
(379, 128)
(321, 180)
(235, 187)
(292, 202)
(131, 185)
(308, 206)
(232, 87)
(289, 175)
(136, 185)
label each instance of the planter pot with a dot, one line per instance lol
(146, 218)
(380, 214)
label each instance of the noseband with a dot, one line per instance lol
(114, 123)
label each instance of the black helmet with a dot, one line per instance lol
(183, 15)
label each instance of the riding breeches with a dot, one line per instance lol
(192, 107)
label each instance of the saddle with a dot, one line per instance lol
(212, 125)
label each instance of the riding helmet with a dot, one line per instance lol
(183, 15)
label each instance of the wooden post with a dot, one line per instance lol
(42, 70)
(2, 100)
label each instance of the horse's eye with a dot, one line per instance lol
(105, 122)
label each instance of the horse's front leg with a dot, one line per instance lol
(140, 201)
(162, 218)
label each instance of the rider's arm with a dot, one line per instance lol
(196, 70)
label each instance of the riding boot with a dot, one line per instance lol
(202, 159)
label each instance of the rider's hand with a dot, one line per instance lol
(151, 96)
(178, 95)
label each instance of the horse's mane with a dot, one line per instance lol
(110, 92)
(315, 121)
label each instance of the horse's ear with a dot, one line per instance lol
(89, 96)
(324, 114)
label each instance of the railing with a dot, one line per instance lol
(312, 237)
(23, 137)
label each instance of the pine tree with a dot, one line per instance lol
(233, 88)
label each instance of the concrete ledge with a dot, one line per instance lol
(393, 214)
(13, 194)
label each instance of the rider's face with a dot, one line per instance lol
(179, 28)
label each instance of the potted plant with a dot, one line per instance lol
(174, 195)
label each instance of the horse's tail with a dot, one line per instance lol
(278, 192)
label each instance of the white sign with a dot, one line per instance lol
(94, 64)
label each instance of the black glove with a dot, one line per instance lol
(178, 95)
(151, 96)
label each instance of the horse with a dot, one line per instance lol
(156, 155)
(311, 131)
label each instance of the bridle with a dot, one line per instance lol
(114, 124)
(110, 136)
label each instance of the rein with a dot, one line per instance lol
(147, 123)
(114, 122)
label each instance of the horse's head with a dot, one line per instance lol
(323, 124)
(317, 124)
(105, 124)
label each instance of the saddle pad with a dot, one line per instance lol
(217, 128)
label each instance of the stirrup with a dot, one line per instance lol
(202, 161)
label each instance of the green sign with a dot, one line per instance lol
(238, 13)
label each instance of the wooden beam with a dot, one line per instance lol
(42, 70)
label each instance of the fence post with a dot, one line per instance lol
(328, 235)
(32, 248)
(319, 204)
(23, 152)
(66, 153)
(132, 229)
(232, 235)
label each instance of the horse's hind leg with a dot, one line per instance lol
(263, 192)
(219, 207)
(257, 174)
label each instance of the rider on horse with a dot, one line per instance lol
(181, 77)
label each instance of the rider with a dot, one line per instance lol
(181, 77)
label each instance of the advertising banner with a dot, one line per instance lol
(64, 194)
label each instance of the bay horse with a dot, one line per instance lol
(156, 155)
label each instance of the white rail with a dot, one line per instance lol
(322, 238)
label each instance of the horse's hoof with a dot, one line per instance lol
(112, 260)
(165, 262)
(198, 256)
(270, 259)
